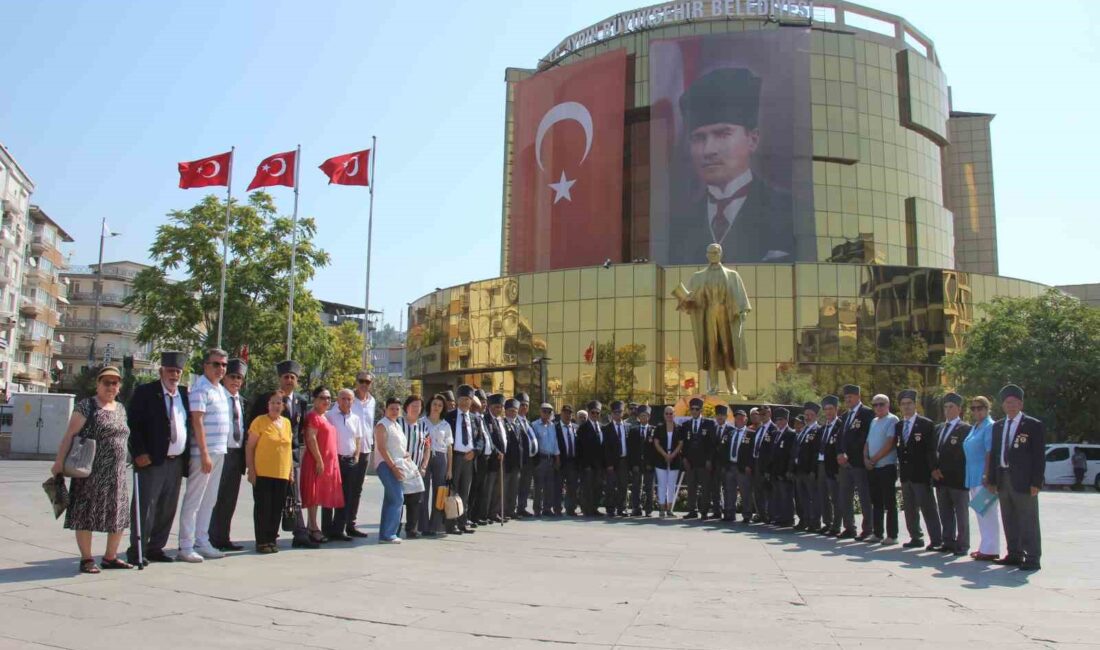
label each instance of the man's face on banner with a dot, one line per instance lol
(721, 152)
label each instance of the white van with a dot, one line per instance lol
(1059, 469)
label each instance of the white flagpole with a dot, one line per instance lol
(225, 245)
(370, 229)
(293, 256)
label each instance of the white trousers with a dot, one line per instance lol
(989, 527)
(198, 502)
(666, 486)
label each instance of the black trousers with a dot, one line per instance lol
(568, 479)
(462, 484)
(615, 489)
(884, 500)
(593, 489)
(698, 480)
(412, 513)
(229, 487)
(160, 495)
(335, 521)
(268, 496)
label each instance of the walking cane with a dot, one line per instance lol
(501, 472)
(137, 519)
(676, 494)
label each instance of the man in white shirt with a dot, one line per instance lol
(233, 467)
(364, 406)
(211, 423)
(351, 439)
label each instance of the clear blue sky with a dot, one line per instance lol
(99, 100)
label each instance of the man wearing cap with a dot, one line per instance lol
(1018, 465)
(568, 475)
(853, 478)
(615, 434)
(718, 460)
(295, 408)
(591, 447)
(727, 204)
(212, 427)
(700, 437)
(880, 457)
(363, 405)
(828, 492)
(805, 470)
(505, 461)
(462, 472)
(449, 400)
(160, 439)
(782, 447)
(639, 446)
(484, 483)
(949, 477)
(726, 457)
(916, 448)
(529, 451)
(761, 462)
(233, 465)
(548, 461)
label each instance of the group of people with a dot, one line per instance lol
(307, 462)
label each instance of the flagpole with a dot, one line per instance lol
(293, 256)
(225, 245)
(370, 229)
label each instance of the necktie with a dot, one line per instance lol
(569, 440)
(236, 420)
(695, 427)
(1008, 437)
(172, 419)
(531, 436)
(735, 443)
(943, 437)
(905, 434)
(465, 429)
(622, 441)
(824, 438)
(719, 224)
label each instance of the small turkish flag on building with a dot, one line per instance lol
(348, 169)
(275, 170)
(206, 172)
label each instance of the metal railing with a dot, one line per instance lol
(108, 271)
(81, 351)
(89, 296)
(104, 325)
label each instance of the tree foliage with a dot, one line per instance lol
(343, 356)
(611, 375)
(791, 387)
(1050, 346)
(387, 336)
(178, 298)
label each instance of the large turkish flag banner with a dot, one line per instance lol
(567, 169)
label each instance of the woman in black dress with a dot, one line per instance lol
(100, 502)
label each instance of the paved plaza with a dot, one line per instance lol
(584, 584)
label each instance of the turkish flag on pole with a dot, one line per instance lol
(206, 172)
(275, 170)
(567, 166)
(348, 169)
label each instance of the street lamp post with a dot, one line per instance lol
(104, 233)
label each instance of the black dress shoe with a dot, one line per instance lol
(1029, 566)
(524, 513)
(304, 543)
(467, 531)
(691, 515)
(1008, 561)
(229, 546)
(932, 547)
(475, 524)
(946, 548)
(354, 532)
(913, 543)
(548, 513)
(412, 534)
(132, 559)
(848, 534)
(338, 537)
(159, 556)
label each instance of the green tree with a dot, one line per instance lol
(1050, 346)
(182, 312)
(387, 336)
(387, 386)
(612, 377)
(791, 387)
(343, 356)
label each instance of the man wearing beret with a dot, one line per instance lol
(720, 462)
(700, 437)
(590, 440)
(949, 476)
(727, 204)
(233, 465)
(828, 491)
(484, 482)
(503, 464)
(569, 470)
(160, 438)
(295, 408)
(549, 459)
(530, 453)
(735, 452)
(761, 471)
(853, 478)
(615, 461)
(916, 451)
(782, 498)
(639, 456)
(462, 455)
(805, 470)
(1016, 474)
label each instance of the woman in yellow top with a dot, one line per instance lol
(270, 471)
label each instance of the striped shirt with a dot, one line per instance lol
(212, 400)
(416, 434)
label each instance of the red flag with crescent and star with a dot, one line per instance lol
(348, 169)
(275, 170)
(206, 172)
(567, 166)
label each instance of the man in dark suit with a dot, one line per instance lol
(295, 408)
(916, 452)
(463, 457)
(733, 456)
(233, 466)
(726, 204)
(530, 454)
(590, 442)
(639, 446)
(615, 461)
(700, 436)
(761, 471)
(828, 491)
(485, 483)
(805, 470)
(569, 470)
(853, 478)
(949, 475)
(160, 444)
(516, 457)
(502, 462)
(721, 464)
(1017, 474)
(782, 503)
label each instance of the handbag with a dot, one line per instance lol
(441, 494)
(78, 462)
(454, 508)
(58, 495)
(412, 483)
(290, 511)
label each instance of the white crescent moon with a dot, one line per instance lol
(348, 163)
(564, 111)
(217, 168)
(281, 162)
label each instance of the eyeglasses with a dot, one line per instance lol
(325, 398)
(220, 364)
(110, 383)
(697, 408)
(977, 408)
(879, 404)
(364, 381)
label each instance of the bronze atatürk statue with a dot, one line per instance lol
(715, 299)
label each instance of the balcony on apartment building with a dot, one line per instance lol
(110, 272)
(42, 240)
(80, 351)
(106, 299)
(7, 238)
(105, 325)
(26, 372)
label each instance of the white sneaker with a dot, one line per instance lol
(209, 552)
(873, 539)
(188, 556)
(395, 540)
(889, 541)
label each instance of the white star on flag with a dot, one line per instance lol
(561, 188)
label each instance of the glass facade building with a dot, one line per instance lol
(903, 225)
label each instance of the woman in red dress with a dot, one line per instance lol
(321, 486)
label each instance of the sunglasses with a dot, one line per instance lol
(977, 408)
(220, 364)
(364, 381)
(110, 383)
(879, 404)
